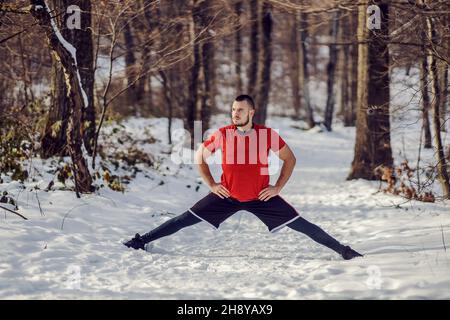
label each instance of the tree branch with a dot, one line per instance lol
(16, 213)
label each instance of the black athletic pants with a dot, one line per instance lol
(187, 219)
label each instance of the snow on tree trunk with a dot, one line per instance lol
(66, 54)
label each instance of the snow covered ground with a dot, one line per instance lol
(74, 250)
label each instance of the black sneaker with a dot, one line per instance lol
(348, 253)
(136, 243)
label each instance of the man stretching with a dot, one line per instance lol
(244, 183)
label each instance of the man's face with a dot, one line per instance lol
(241, 113)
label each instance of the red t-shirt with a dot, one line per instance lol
(245, 158)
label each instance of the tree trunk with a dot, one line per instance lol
(54, 137)
(180, 35)
(343, 67)
(304, 69)
(254, 45)
(344, 102)
(193, 109)
(134, 94)
(169, 103)
(208, 93)
(152, 16)
(201, 84)
(443, 84)
(350, 114)
(443, 76)
(372, 145)
(81, 39)
(76, 95)
(294, 66)
(26, 74)
(425, 100)
(238, 47)
(313, 50)
(265, 62)
(331, 70)
(442, 173)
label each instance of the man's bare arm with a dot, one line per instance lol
(200, 158)
(289, 161)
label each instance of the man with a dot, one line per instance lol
(244, 183)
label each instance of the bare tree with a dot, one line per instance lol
(294, 63)
(254, 46)
(264, 64)
(350, 114)
(348, 63)
(331, 70)
(208, 92)
(424, 88)
(66, 53)
(83, 42)
(54, 137)
(304, 78)
(134, 92)
(372, 145)
(238, 47)
(443, 69)
(435, 106)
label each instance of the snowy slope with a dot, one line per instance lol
(74, 250)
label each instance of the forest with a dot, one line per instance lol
(101, 101)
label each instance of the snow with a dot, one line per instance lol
(74, 249)
(71, 49)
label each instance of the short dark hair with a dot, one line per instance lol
(246, 98)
